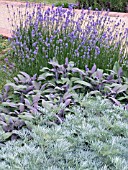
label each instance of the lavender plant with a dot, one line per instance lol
(86, 38)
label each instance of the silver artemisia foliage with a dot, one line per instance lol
(94, 137)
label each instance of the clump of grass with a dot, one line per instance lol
(6, 67)
(6, 71)
(65, 4)
(3, 44)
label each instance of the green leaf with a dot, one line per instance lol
(116, 67)
(44, 69)
(95, 92)
(123, 98)
(65, 80)
(83, 83)
(16, 87)
(21, 78)
(116, 88)
(60, 82)
(3, 109)
(26, 116)
(122, 88)
(49, 91)
(76, 87)
(115, 85)
(5, 136)
(45, 75)
(11, 84)
(75, 79)
(9, 104)
(47, 105)
(36, 85)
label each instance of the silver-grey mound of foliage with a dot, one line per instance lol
(94, 136)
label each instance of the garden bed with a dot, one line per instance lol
(67, 106)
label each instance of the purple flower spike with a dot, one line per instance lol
(93, 68)
(66, 61)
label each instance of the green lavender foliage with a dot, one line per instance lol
(95, 137)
